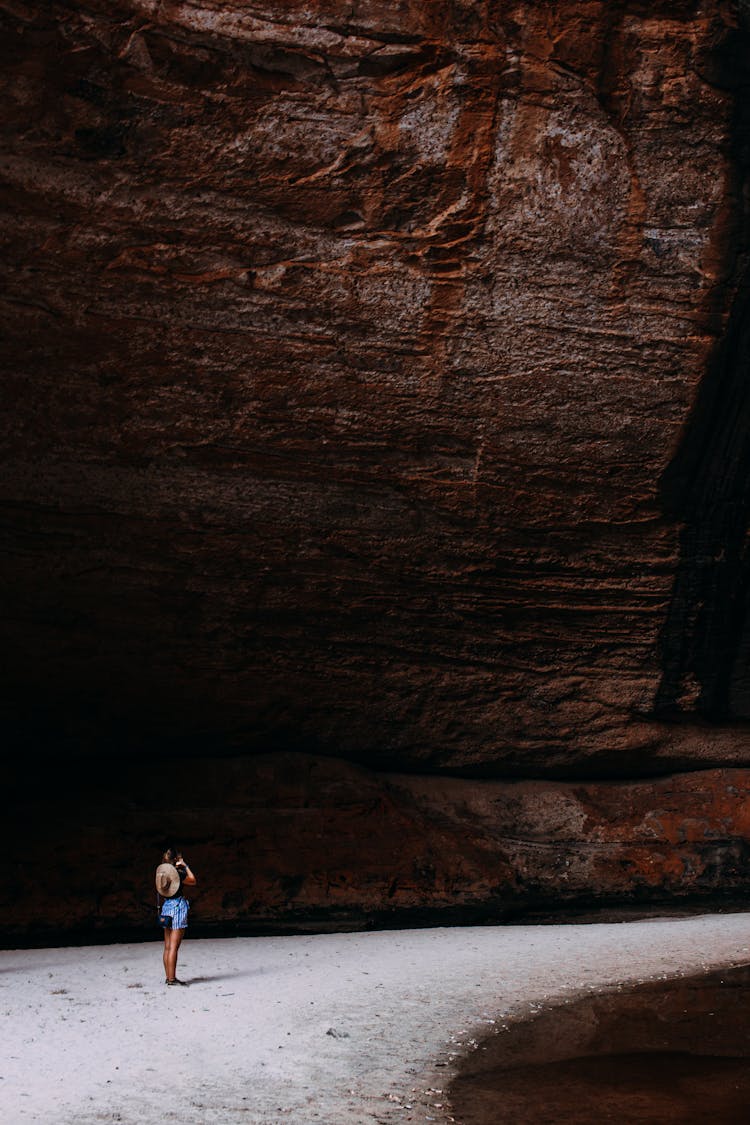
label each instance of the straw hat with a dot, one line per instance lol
(167, 879)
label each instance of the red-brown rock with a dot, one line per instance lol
(347, 348)
(376, 387)
(297, 841)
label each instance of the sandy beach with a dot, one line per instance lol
(342, 1029)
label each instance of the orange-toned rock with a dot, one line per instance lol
(346, 347)
(376, 388)
(296, 841)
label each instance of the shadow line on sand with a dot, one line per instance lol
(223, 976)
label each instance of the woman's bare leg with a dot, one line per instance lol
(165, 958)
(170, 955)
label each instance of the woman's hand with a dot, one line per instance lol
(188, 879)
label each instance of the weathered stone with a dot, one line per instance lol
(347, 348)
(376, 386)
(293, 840)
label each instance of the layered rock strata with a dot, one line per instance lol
(348, 346)
(376, 387)
(302, 842)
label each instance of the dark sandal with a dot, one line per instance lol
(176, 981)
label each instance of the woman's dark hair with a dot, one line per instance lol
(170, 854)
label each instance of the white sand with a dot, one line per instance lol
(93, 1034)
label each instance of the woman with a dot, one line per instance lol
(171, 875)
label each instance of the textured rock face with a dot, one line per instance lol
(377, 386)
(349, 346)
(292, 840)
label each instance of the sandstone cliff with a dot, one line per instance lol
(377, 384)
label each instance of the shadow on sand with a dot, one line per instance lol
(223, 976)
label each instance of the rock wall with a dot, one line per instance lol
(294, 841)
(377, 384)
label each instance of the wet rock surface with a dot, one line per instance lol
(666, 1052)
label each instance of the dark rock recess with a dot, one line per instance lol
(376, 392)
(293, 841)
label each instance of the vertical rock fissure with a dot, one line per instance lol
(707, 484)
(705, 623)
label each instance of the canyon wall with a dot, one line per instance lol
(295, 842)
(376, 392)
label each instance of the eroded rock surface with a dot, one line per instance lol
(377, 386)
(348, 347)
(297, 841)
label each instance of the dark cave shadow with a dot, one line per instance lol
(224, 976)
(706, 486)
